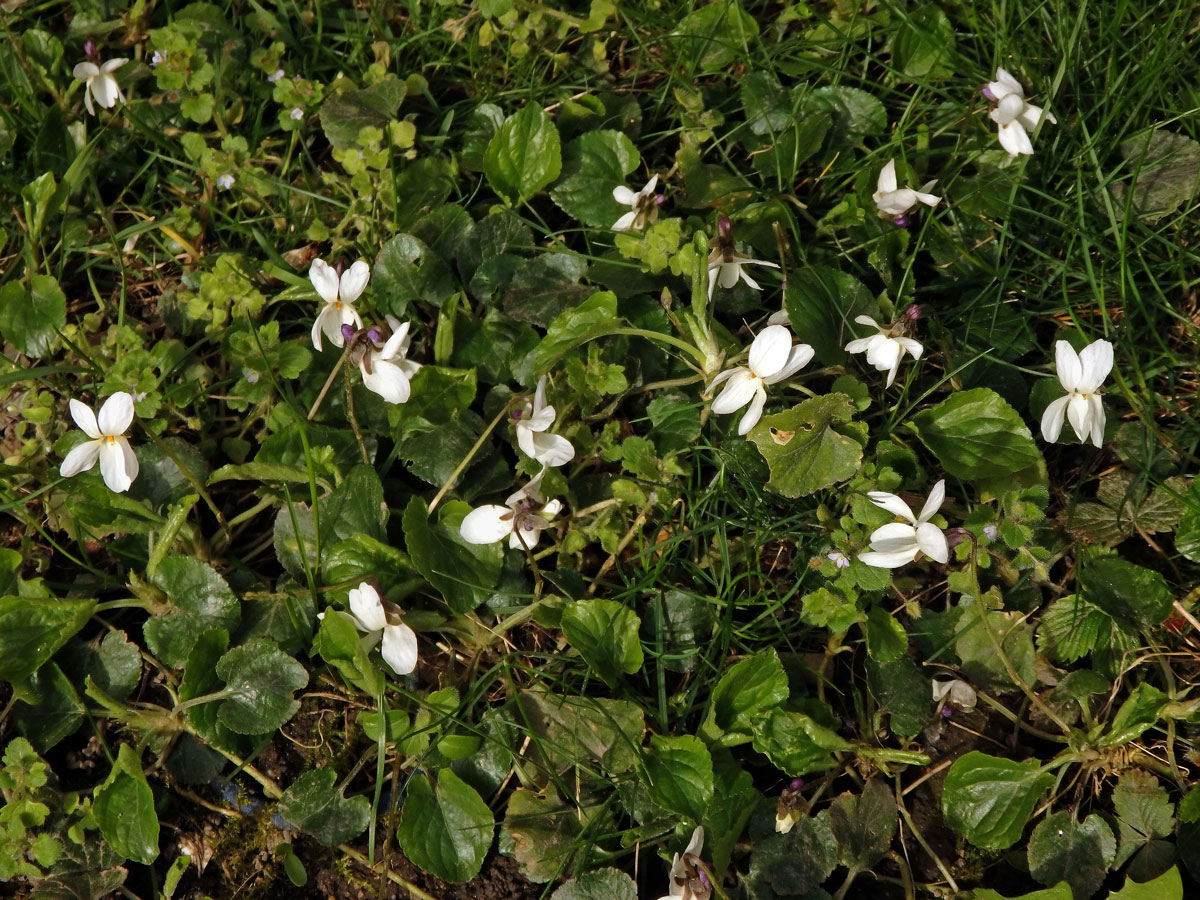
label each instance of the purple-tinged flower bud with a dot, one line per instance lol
(987, 92)
(796, 785)
(955, 536)
(724, 228)
(348, 332)
(517, 413)
(947, 711)
(374, 336)
(703, 876)
(900, 221)
(89, 48)
(528, 526)
(913, 312)
(660, 199)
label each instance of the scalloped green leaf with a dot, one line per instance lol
(988, 800)
(807, 448)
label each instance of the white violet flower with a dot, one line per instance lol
(1081, 374)
(108, 443)
(772, 359)
(686, 879)
(522, 519)
(399, 641)
(899, 543)
(100, 83)
(885, 349)
(339, 296)
(1016, 118)
(643, 206)
(386, 370)
(896, 203)
(725, 264)
(533, 431)
(954, 691)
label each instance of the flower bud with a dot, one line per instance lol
(348, 332)
(373, 335)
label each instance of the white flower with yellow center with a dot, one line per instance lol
(339, 295)
(1016, 118)
(108, 444)
(100, 84)
(772, 359)
(399, 647)
(899, 543)
(1081, 374)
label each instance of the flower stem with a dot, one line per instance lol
(466, 460)
(679, 343)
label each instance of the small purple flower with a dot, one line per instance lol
(275, 76)
(839, 559)
(900, 221)
(704, 879)
(796, 785)
(297, 113)
(660, 199)
(225, 182)
(347, 331)
(913, 312)
(947, 711)
(157, 58)
(517, 414)
(991, 532)
(251, 376)
(89, 49)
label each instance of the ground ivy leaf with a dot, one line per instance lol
(855, 115)
(593, 165)
(463, 573)
(1079, 853)
(791, 864)
(446, 829)
(261, 679)
(747, 691)
(406, 270)
(803, 447)
(199, 600)
(988, 800)
(524, 155)
(864, 825)
(124, 809)
(595, 317)
(32, 630)
(680, 775)
(599, 884)
(975, 434)
(316, 805)
(606, 635)
(794, 743)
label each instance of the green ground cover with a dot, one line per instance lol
(516, 450)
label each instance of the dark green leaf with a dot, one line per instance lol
(795, 863)
(87, 871)
(598, 884)
(977, 648)
(1134, 596)
(712, 36)
(1139, 711)
(316, 805)
(795, 743)
(261, 679)
(804, 448)
(199, 600)
(199, 680)
(338, 642)
(32, 630)
(975, 434)
(1165, 171)
(594, 164)
(1061, 891)
(463, 573)
(572, 729)
(680, 774)
(746, 692)
(767, 105)
(344, 115)
(595, 317)
(1079, 853)
(406, 270)
(523, 156)
(56, 714)
(1072, 628)
(821, 304)
(886, 638)
(546, 286)
(541, 833)
(864, 825)
(446, 829)
(855, 114)
(924, 45)
(1143, 810)
(124, 808)
(355, 507)
(606, 635)
(988, 800)
(902, 692)
(30, 320)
